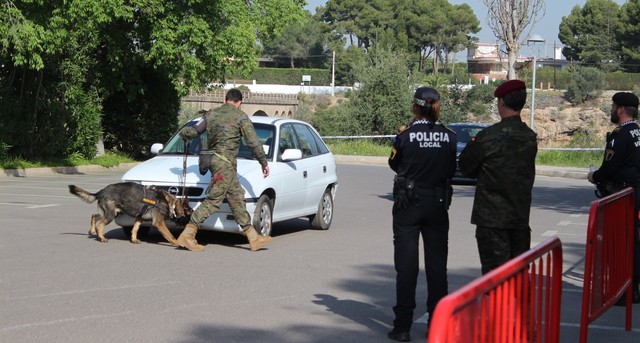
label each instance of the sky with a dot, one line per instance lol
(547, 27)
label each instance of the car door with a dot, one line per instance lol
(318, 165)
(290, 201)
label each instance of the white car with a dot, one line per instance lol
(302, 181)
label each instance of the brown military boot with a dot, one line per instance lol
(256, 241)
(187, 238)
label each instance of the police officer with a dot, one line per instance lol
(621, 166)
(225, 127)
(502, 158)
(424, 159)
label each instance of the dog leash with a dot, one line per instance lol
(183, 183)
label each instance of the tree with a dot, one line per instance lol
(511, 22)
(587, 34)
(629, 34)
(298, 40)
(62, 62)
(341, 15)
(380, 104)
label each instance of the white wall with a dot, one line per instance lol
(287, 89)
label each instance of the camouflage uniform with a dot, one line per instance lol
(502, 158)
(225, 127)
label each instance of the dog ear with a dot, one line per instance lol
(175, 206)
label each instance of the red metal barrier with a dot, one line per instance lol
(516, 302)
(608, 258)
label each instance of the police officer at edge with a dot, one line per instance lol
(424, 159)
(621, 167)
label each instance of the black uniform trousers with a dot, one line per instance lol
(636, 238)
(428, 216)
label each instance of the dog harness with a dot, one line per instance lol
(151, 202)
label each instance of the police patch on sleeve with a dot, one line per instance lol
(608, 155)
(393, 153)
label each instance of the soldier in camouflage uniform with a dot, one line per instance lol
(225, 127)
(502, 158)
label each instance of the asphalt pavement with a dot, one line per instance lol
(571, 292)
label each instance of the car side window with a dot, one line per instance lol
(307, 141)
(287, 140)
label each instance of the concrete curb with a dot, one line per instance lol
(567, 172)
(63, 170)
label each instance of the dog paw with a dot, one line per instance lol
(136, 241)
(104, 240)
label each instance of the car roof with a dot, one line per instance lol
(267, 120)
(470, 124)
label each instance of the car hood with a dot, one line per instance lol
(163, 170)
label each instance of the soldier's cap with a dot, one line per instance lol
(508, 87)
(423, 94)
(625, 99)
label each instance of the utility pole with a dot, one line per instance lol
(333, 74)
(554, 66)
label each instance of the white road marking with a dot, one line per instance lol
(550, 233)
(25, 205)
(93, 290)
(5, 195)
(568, 222)
(43, 206)
(66, 320)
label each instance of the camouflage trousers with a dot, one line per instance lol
(497, 245)
(224, 184)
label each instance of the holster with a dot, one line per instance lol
(606, 188)
(403, 192)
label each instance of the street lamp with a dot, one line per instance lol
(532, 42)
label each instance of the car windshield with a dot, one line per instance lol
(465, 133)
(176, 145)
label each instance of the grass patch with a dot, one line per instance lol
(382, 147)
(109, 159)
(360, 147)
(569, 158)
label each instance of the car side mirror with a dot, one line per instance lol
(291, 155)
(156, 148)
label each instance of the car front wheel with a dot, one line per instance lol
(323, 217)
(262, 217)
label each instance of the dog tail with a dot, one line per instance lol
(82, 194)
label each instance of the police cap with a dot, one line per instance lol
(625, 99)
(424, 94)
(508, 87)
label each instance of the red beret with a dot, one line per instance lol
(508, 87)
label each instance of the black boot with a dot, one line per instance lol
(400, 335)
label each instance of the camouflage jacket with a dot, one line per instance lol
(226, 126)
(502, 158)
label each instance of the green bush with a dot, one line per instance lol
(587, 83)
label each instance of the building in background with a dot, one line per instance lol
(487, 62)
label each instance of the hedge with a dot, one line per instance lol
(288, 76)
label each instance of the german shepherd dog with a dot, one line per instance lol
(135, 200)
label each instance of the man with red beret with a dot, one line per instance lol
(502, 158)
(621, 167)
